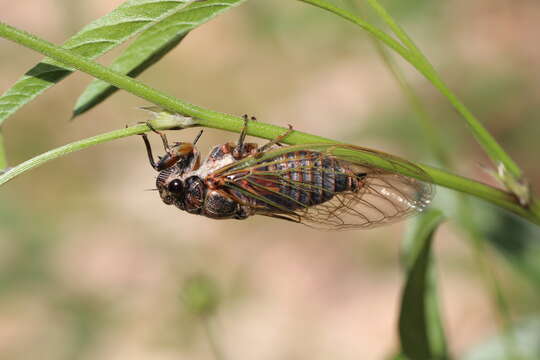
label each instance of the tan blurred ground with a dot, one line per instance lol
(93, 265)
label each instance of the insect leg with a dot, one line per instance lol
(163, 137)
(163, 140)
(243, 134)
(239, 150)
(276, 141)
(149, 151)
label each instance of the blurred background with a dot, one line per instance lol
(92, 266)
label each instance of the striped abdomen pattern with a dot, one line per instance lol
(302, 179)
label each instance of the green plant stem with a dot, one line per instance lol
(436, 331)
(212, 341)
(432, 135)
(207, 118)
(69, 148)
(437, 176)
(213, 119)
(414, 56)
(434, 139)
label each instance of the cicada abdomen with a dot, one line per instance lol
(323, 191)
(301, 179)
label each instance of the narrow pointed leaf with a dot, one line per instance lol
(93, 40)
(152, 45)
(420, 329)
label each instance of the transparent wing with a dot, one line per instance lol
(381, 196)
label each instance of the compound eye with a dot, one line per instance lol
(175, 186)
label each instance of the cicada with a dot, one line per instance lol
(321, 185)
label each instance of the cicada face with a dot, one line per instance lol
(170, 187)
(179, 160)
(185, 192)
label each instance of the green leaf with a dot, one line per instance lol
(93, 40)
(152, 45)
(420, 329)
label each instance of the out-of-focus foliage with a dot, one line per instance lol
(420, 326)
(200, 295)
(91, 265)
(92, 41)
(152, 45)
(525, 336)
(517, 240)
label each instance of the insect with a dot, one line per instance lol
(320, 185)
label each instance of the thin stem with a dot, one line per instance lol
(434, 139)
(158, 123)
(437, 176)
(410, 52)
(420, 60)
(214, 347)
(213, 119)
(374, 31)
(69, 148)
(491, 280)
(207, 118)
(432, 135)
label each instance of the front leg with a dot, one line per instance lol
(243, 149)
(162, 135)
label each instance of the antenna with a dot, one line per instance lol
(197, 137)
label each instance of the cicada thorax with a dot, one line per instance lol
(187, 183)
(299, 179)
(218, 203)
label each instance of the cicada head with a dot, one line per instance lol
(182, 158)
